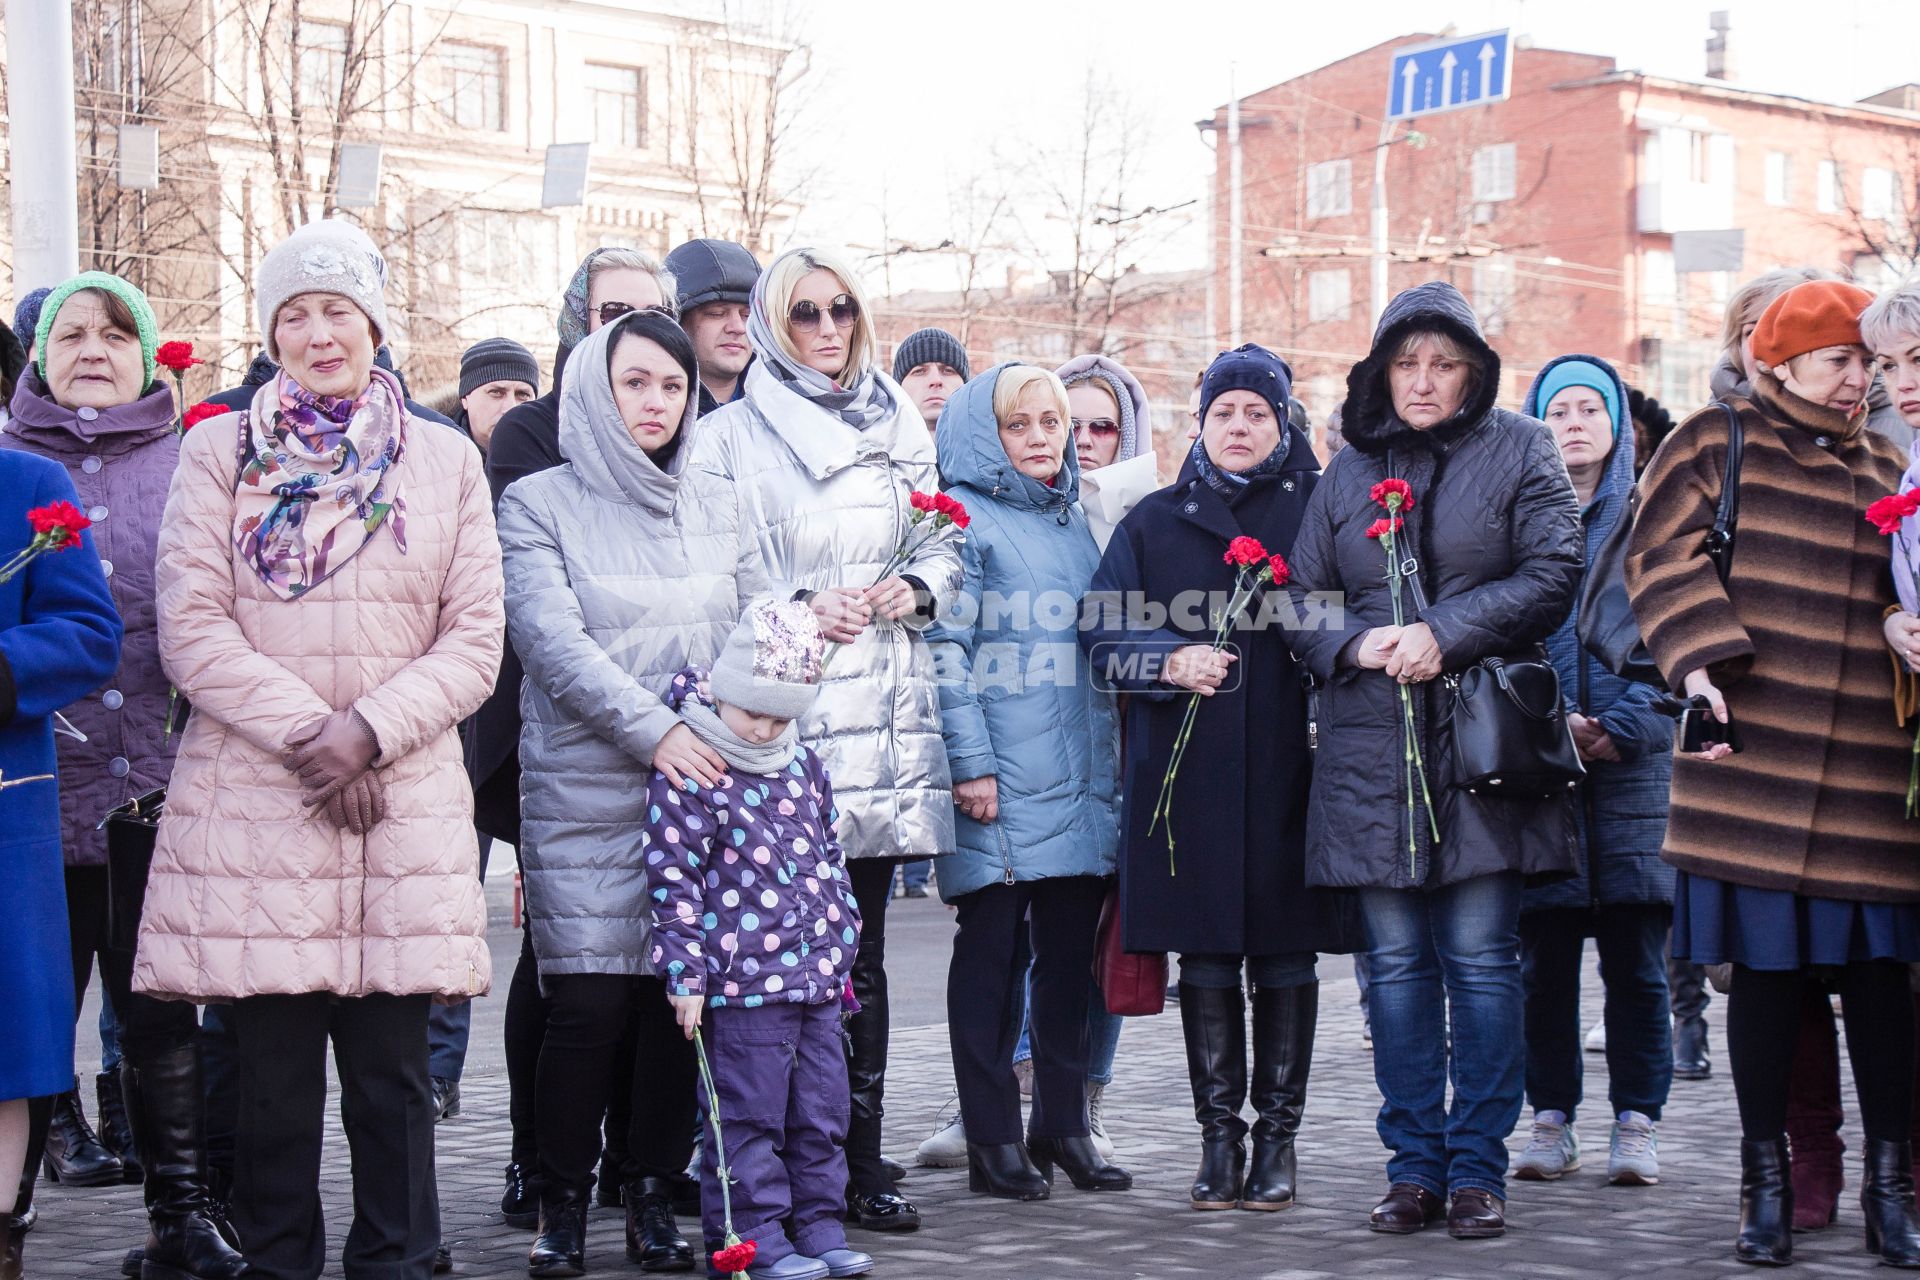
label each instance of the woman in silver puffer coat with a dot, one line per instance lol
(623, 566)
(823, 453)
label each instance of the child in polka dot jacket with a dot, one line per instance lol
(754, 930)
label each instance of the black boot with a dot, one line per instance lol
(561, 1247)
(163, 1103)
(75, 1156)
(11, 1248)
(1004, 1170)
(1886, 1198)
(1283, 1023)
(1214, 1021)
(1766, 1204)
(867, 1033)
(39, 1119)
(652, 1239)
(220, 1200)
(520, 1202)
(1082, 1161)
(114, 1133)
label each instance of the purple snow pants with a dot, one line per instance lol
(781, 1073)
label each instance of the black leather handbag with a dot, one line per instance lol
(131, 832)
(1606, 626)
(1510, 731)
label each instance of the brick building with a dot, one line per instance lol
(1565, 213)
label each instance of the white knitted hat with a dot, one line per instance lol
(329, 256)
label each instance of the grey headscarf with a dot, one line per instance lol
(1126, 392)
(867, 400)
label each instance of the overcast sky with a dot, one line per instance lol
(906, 100)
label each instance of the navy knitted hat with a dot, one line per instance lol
(929, 346)
(26, 316)
(1249, 368)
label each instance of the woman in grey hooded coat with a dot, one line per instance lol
(623, 566)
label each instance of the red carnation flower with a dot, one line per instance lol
(177, 356)
(1245, 552)
(735, 1257)
(953, 509)
(920, 501)
(1381, 528)
(199, 413)
(1393, 493)
(61, 523)
(1885, 514)
(1280, 570)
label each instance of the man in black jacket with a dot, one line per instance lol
(715, 281)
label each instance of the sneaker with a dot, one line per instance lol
(947, 1148)
(1633, 1153)
(1023, 1073)
(1553, 1149)
(1366, 1036)
(1096, 1122)
(1597, 1038)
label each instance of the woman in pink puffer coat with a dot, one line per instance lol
(330, 603)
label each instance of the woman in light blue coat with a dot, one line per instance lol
(1033, 749)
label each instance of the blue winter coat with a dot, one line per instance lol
(1621, 817)
(59, 640)
(1016, 696)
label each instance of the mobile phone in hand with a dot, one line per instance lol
(1700, 730)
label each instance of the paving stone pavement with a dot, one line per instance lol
(1579, 1227)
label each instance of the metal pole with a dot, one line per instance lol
(46, 231)
(1379, 263)
(1233, 211)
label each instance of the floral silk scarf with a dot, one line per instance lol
(318, 480)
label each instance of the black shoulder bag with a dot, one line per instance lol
(1606, 626)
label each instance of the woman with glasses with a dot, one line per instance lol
(823, 452)
(623, 566)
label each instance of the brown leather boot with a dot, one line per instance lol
(1407, 1209)
(1476, 1215)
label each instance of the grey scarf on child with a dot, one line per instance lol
(764, 759)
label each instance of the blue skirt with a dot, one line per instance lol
(1715, 923)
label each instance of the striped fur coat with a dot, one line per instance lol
(1815, 802)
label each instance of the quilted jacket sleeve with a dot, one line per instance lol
(1316, 568)
(963, 724)
(675, 885)
(447, 683)
(549, 632)
(204, 651)
(1529, 603)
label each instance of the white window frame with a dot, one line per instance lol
(328, 55)
(1494, 293)
(1330, 189)
(1329, 295)
(1829, 193)
(1879, 194)
(480, 70)
(1494, 170)
(633, 104)
(1777, 181)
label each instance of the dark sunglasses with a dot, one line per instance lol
(1099, 426)
(805, 315)
(611, 311)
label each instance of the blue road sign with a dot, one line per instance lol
(1467, 71)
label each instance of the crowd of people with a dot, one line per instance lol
(734, 618)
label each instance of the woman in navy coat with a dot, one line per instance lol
(1223, 880)
(59, 639)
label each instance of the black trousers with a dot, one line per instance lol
(386, 1106)
(525, 1032)
(869, 1030)
(589, 1014)
(984, 984)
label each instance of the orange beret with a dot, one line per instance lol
(1807, 317)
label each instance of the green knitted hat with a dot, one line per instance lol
(143, 321)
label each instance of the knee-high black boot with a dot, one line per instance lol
(163, 1106)
(1214, 1021)
(1283, 1025)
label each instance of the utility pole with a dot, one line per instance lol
(1233, 208)
(46, 232)
(1378, 267)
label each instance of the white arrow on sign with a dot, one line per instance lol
(1447, 63)
(1486, 70)
(1408, 74)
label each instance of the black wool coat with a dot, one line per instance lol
(1238, 883)
(1495, 530)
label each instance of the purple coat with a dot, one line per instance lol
(751, 903)
(121, 462)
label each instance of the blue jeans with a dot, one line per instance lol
(1456, 947)
(914, 875)
(1632, 941)
(109, 1033)
(450, 1025)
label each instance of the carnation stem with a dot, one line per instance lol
(724, 1175)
